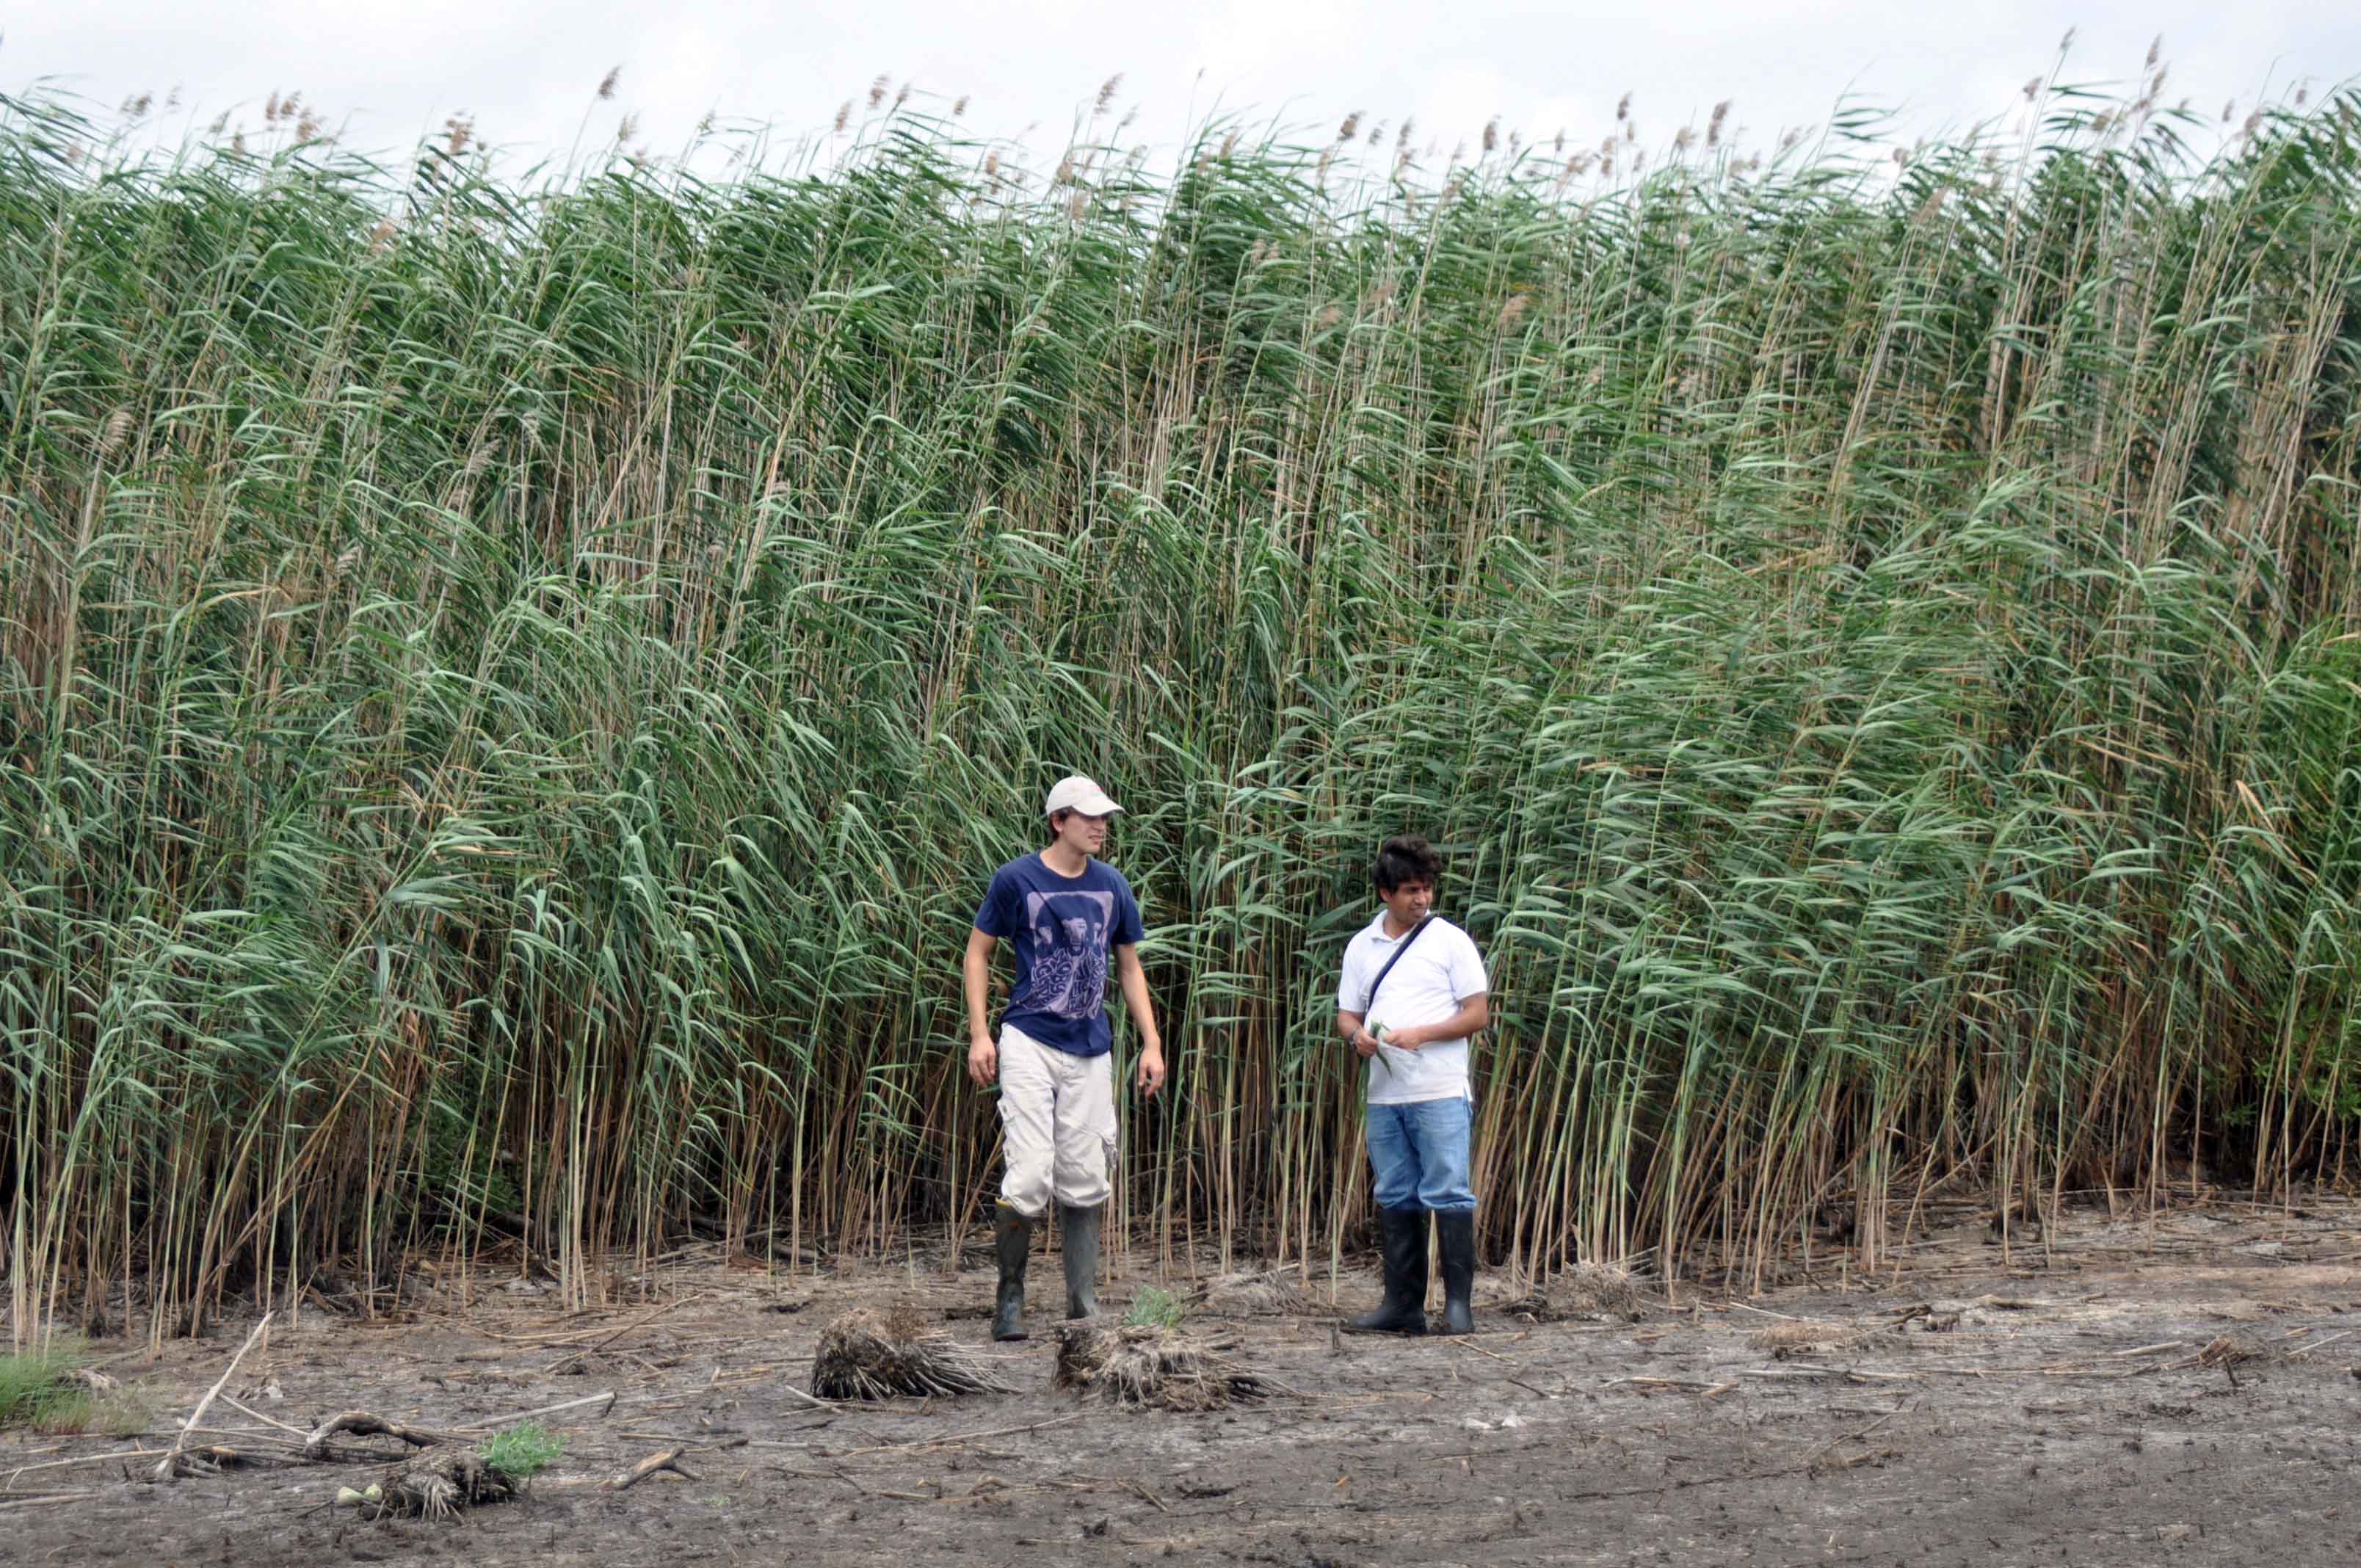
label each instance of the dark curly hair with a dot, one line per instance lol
(1406, 857)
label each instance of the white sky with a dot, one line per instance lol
(527, 70)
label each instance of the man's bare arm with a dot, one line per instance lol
(1149, 1076)
(1475, 1012)
(975, 970)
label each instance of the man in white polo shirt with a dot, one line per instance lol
(1413, 989)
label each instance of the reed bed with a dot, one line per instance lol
(511, 686)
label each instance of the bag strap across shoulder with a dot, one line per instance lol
(1407, 939)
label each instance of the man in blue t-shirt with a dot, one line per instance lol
(1066, 912)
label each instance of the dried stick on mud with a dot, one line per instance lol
(24, 1470)
(266, 1421)
(605, 1394)
(1270, 1292)
(169, 1466)
(1785, 1340)
(956, 1440)
(223, 1457)
(360, 1423)
(662, 1459)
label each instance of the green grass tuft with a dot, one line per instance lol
(39, 1393)
(34, 1390)
(1156, 1307)
(522, 1450)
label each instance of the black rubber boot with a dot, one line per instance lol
(1404, 1235)
(1012, 1234)
(1455, 1248)
(1079, 1239)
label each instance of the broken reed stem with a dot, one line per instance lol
(266, 1421)
(663, 1459)
(80, 1459)
(165, 1468)
(967, 1436)
(360, 1423)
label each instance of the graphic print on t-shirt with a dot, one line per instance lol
(1070, 950)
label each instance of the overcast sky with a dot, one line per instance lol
(527, 70)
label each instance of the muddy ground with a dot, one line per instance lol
(2173, 1387)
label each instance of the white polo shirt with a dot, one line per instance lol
(1442, 970)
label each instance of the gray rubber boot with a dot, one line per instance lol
(1012, 1234)
(1404, 1312)
(1081, 1239)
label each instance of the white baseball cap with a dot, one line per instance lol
(1076, 793)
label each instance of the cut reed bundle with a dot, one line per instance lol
(1251, 1293)
(1151, 1368)
(870, 1355)
(438, 1485)
(1588, 1292)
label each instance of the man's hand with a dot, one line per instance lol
(1363, 1044)
(983, 1060)
(1149, 1075)
(1410, 1038)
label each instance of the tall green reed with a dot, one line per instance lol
(512, 691)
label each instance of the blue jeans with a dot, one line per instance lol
(1419, 1153)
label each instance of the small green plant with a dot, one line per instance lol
(39, 1392)
(522, 1450)
(1154, 1307)
(36, 1387)
(114, 1413)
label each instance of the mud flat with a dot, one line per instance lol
(2170, 1386)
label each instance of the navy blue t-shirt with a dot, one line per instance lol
(1061, 928)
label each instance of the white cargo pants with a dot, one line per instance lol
(1057, 1124)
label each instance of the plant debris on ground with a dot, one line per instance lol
(438, 1483)
(872, 1354)
(1151, 1367)
(1593, 1292)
